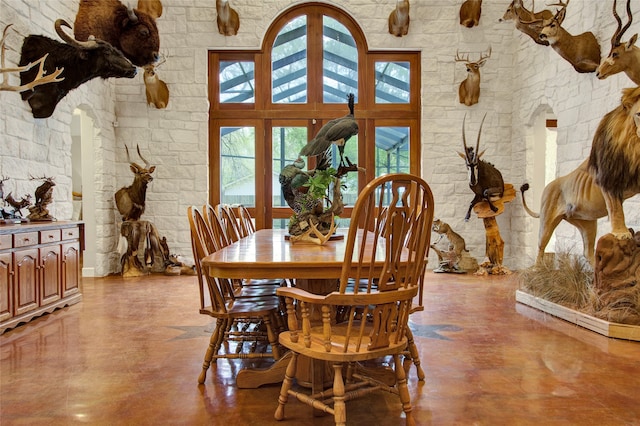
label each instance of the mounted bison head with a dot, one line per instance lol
(82, 61)
(132, 31)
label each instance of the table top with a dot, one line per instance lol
(267, 254)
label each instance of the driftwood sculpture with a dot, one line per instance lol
(228, 19)
(399, 19)
(470, 12)
(469, 89)
(614, 160)
(623, 56)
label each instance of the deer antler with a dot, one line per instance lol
(462, 59)
(318, 237)
(40, 77)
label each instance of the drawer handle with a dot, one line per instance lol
(26, 240)
(50, 236)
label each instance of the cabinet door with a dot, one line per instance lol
(26, 280)
(6, 287)
(70, 268)
(51, 276)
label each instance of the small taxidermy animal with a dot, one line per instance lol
(399, 19)
(456, 242)
(228, 19)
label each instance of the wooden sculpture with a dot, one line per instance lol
(44, 196)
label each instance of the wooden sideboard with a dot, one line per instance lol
(40, 265)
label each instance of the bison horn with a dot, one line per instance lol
(92, 44)
(132, 15)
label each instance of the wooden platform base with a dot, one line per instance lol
(606, 328)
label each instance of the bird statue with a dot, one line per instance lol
(337, 131)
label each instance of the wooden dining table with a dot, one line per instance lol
(268, 253)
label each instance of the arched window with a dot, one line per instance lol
(265, 105)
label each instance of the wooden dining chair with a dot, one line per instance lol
(246, 221)
(230, 222)
(218, 239)
(375, 313)
(247, 322)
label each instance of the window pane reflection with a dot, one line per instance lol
(392, 82)
(289, 63)
(238, 165)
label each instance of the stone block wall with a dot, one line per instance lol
(519, 80)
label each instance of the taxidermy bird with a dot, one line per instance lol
(292, 178)
(337, 131)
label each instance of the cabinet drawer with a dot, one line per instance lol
(70, 234)
(50, 236)
(5, 242)
(24, 239)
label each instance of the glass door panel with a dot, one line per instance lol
(238, 165)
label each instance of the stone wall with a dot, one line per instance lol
(519, 80)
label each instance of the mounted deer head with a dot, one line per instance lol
(469, 89)
(156, 90)
(399, 19)
(470, 12)
(518, 13)
(40, 77)
(581, 51)
(130, 200)
(622, 56)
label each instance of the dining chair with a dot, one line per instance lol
(375, 315)
(247, 322)
(217, 238)
(230, 222)
(246, 220)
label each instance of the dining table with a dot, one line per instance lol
(268, 253)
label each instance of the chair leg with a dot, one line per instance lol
(273, 339)
(415, 356)
(403, 391)
(339, 407)
(286, 385)
(211, 350)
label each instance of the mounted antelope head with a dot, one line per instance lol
(399, 19)
(228, 19)
(156, 90)
(581, 51)
(484, 179)
(40, 77)
(518, 13)
(470, 12)
(469, 90)
(622, 56)
(130, 199)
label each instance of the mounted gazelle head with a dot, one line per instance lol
(623, 56)
(469, 89)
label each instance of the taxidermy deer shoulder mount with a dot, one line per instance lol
(228, 19)
(130, 199)
(156, 90)
(469, 89)
(399, 19)
(581, 51)
(484, 179)
(623, 56)
(519, 14)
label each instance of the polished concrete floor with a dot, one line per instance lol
(131, 351)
